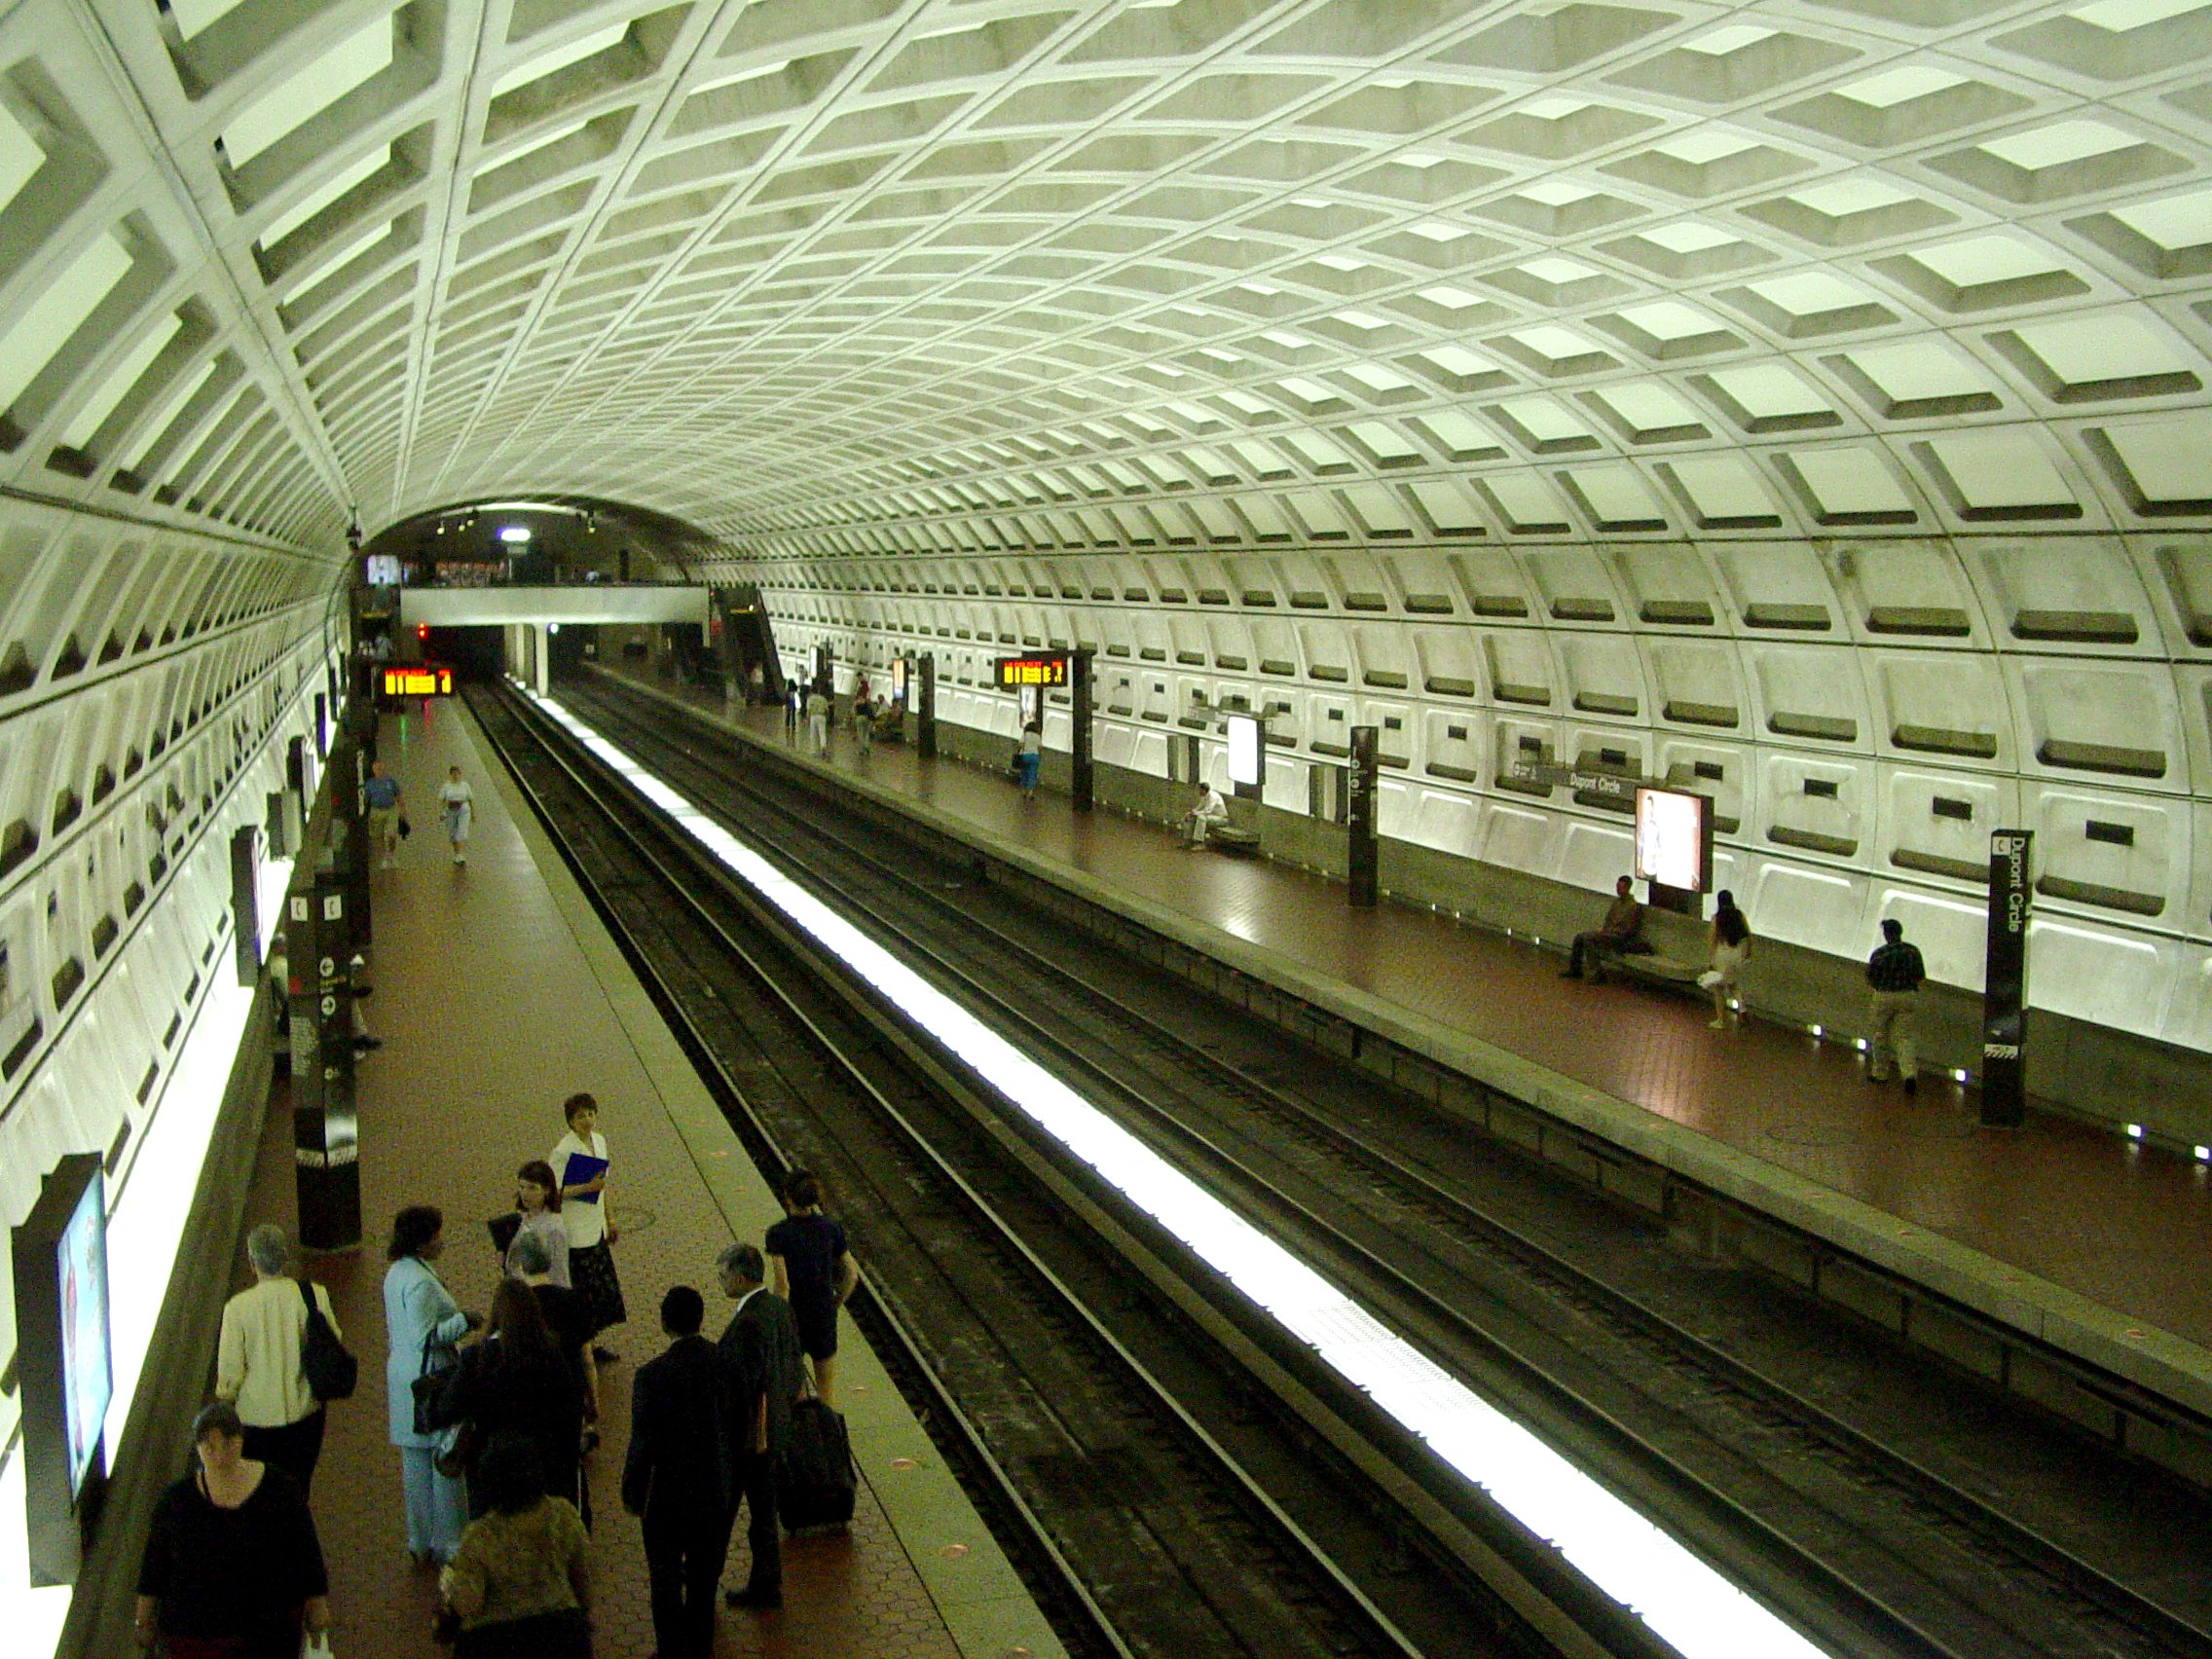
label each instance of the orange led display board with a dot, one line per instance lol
(1015, 673)
(424, 681)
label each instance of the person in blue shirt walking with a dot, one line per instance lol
(383, 794)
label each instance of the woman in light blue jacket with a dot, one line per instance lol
(421, 1315)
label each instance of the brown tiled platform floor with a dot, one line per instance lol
(2128, 1228)
(491, 1015)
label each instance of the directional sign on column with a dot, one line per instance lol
(325, 1130)
(1361, 816)
(2005, 981)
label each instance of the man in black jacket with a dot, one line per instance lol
(676, 1477)
(759, 1353)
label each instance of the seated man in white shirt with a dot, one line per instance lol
(1197, 823)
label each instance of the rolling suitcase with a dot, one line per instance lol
(816, 1479)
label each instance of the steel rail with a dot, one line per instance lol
(697, 866)
(2034, 1550)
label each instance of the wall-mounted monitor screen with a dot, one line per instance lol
(1247, 753)
(87, 1372)
(1674, 840)
(382, 570)
(63, 1358)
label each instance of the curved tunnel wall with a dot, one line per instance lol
(154, 680)
(1864, 712)
(1813, 393)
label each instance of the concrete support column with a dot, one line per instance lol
(541, 660)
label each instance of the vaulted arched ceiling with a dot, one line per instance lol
(1215, 269)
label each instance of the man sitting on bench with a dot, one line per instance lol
(1197, 823)
(1620, 934)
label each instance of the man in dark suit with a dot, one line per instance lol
(759, 1353)
(676, 1477)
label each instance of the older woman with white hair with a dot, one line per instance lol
(257, 1362)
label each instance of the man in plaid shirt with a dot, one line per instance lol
(1893, 973)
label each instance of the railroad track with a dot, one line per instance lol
(1878, 1539)
(1151, 1503)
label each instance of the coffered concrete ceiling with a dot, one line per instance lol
(1219, 270)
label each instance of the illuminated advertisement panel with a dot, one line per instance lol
(1674, 840)
(88, 1374)
(1246, 753)
(63, 1361)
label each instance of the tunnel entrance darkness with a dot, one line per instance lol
(472, 654)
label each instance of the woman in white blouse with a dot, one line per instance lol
(579, 1160)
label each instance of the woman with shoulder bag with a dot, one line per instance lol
(516, 1382)
(423, 1322)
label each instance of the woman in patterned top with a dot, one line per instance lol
(521, 1582)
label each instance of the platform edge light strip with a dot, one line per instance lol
(145, 1227)
(1683, 1598)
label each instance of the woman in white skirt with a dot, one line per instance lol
(1730, 942)
(459, 805)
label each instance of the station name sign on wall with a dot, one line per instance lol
(417, 681)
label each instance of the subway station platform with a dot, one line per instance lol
(497, 993)
(2074, 1238)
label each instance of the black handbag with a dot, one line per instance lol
(331, 1371)
(430, 1383)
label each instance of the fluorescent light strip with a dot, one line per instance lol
(146, 1222)
(1683, 1599)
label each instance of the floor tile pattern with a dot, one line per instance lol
(489, 1018)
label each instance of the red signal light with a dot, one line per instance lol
(422, 630)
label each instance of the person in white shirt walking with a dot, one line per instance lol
(460, 802)
(257, 1362)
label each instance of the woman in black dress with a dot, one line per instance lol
(516, 1380)
(233, 1568)
(814, 1272)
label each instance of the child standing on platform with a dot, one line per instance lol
(579, 1160)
